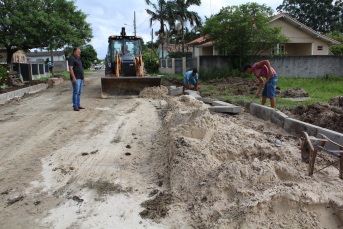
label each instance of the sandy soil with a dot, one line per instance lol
(153, 163)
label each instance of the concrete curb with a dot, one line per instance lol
(175, 91)
(294, 126)
(21, 92)
(226, 109)
(261, 112)
(278, 118)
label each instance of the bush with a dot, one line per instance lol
(217, 73)
(3, 76)
(151, 66)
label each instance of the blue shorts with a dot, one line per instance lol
(270, 87)
(191, 81)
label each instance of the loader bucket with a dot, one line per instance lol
(126, 87)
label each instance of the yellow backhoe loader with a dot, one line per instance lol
(124, 73)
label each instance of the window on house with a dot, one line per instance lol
(282, 48)
(319, 48)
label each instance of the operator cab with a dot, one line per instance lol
(128, 48)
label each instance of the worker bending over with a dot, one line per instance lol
(264, 69)
(190, 77)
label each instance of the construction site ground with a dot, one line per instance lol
(153, 162)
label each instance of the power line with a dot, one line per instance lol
(143, 22)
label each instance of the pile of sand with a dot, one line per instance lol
(154, 92)
(222, 174)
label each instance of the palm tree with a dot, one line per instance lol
(181, 14)
(162, 13)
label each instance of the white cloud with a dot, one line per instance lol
(109, 16)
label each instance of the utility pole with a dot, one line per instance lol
(134, 21)
(152, 39)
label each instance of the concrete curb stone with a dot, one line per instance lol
(278, 118)
(205, 100)
(221, 103)
(294, 126)
(226, 109)
(261, 112)
(20, 92)
(176, 91)
(332, 135)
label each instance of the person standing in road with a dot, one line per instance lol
(190, 77)
(76, 77)
(264, 69)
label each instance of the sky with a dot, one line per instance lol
(107, 17)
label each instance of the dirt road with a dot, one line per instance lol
(153, 163)
(57, 165)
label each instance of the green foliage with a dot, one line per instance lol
(180, 12)
(338, 36)
(323, 16)
(151, 66)
(176, 55)
(3, 76)
(88, 55)
(37, 24)
(242, 32)
(217, 73)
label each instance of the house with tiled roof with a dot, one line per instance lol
(303, 40)
(174, 48)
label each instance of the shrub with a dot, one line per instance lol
(217, 73)
(151, 66)
(3, 76)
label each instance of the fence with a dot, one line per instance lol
(32, 71)
(287, 66)
(177, 65)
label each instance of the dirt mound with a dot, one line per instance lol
(60, 76)
(153, 92)
(27, 84)
(171, 81)
(319, 114)
(337, 101)
(230, 86)
(294, 93)
(222, 173)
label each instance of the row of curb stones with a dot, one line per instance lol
(21, 92)
(217, 106)
(294, 126)
(29, 90)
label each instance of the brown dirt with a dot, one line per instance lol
(327, 115)
(28, 84)
(319, 114)
(66, 169)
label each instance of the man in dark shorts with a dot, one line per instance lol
(264, 69)
(76, 77)
(190, 77)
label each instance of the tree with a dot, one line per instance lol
(20, 23)
(338, 36)
(88, 56)
(242, 32)
(28, 24)
(321, 15)
(162, 13)
(63, 25)
(181, 14)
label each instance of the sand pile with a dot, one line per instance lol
(154, 92)
(222, 174)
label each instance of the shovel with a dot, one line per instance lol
(247, 106)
